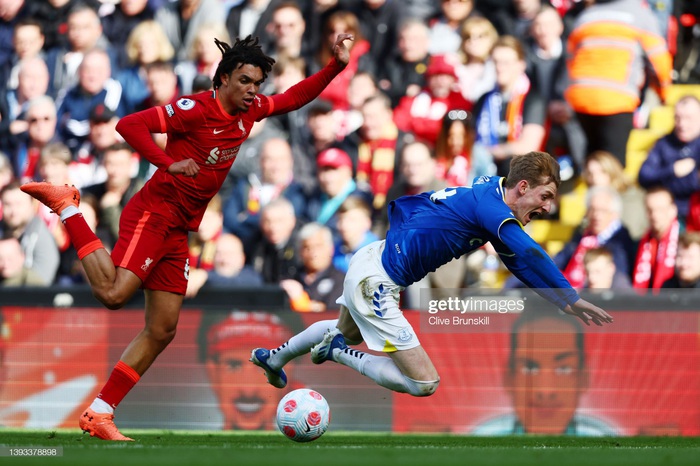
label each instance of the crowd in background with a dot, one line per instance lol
(437, 93)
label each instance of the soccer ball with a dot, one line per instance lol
(303, 415)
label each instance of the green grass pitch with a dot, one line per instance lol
(175, 448)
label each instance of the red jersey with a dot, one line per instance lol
(198, 128)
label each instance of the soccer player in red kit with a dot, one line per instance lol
(205, 132)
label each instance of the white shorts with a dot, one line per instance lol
(373, 301)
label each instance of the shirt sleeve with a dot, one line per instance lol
(531, 264)
(136, 130)
(305, 91)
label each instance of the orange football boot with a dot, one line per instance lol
(55, 198)
(101, 425)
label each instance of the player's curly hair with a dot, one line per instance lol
(243, 52)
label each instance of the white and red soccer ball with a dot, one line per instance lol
(303, 415)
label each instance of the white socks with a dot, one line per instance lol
(300, 344)
(385, 372)
(100, 406)
(69, 212)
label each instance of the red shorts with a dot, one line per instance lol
(153, 245)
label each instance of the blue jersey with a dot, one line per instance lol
(430, 229)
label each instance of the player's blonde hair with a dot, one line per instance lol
(537, 168)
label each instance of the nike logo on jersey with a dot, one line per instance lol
(217, 131)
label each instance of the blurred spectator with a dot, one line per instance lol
(83, 33)
(510, 119)
(316, 13)
(11, 13)
(601, 272)
(687, 272)
(378, 21)
(445, 27)
(95, 86)
(603, 169)
(120, 24)
(459, 158)
(6, 173)
(276, 257)
(28, 40)
(476, 74)
(362, 87)
(547, 69)
(605, 81)
(360, 60)
(20, 221)
(250, 194)
(417, 170)
(88, 169)
(181, 19)
(355, 230)
(146, 44)
(13, 272)
(287, 72)
(201, 83)
(375, 146)
(26, 148)
(247, 161)
(162, 85)
(656, 253)
(601, 228)
(674, 160)
(54, 167)
(204, 56)
(324, 128)
(252, 17)
(110, 197)
(335, 185)
(229, 268)
(202, 243)
(32, 81)
(287, 28)
(422, 115)
(318, 284)
(246, 400)
(402, 72)
(54, 14)
(517, 19)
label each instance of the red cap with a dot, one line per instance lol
(440, 65)
(334, 158)
(246, 330)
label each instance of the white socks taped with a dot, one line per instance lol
(300, 344)
(385, 372)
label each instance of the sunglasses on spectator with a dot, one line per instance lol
(458, 115)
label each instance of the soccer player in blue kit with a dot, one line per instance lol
(426, 231)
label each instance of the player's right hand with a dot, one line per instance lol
(187, 167)
(587, 312)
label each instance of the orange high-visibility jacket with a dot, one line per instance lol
(611, 47)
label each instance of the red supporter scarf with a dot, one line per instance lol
(575, 271)
(656, 259)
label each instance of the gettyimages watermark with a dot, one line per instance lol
(451, 311)
(466, 310)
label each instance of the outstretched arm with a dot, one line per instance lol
(307, 90)
(136, 130)
(531, 264)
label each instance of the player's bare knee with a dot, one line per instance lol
(162, 335)
(421, 387)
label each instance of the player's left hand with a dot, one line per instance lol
(587, 312)
(340, 50)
